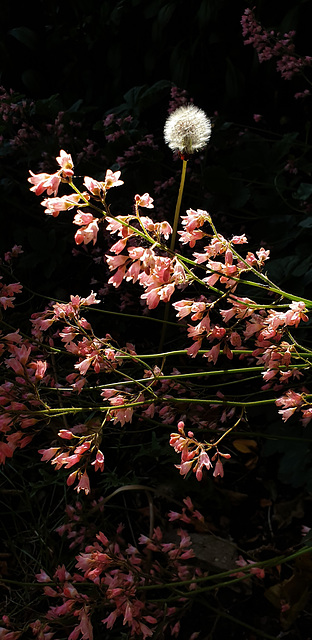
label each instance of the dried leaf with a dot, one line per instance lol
(245, 446)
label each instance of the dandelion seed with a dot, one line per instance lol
(187, 129)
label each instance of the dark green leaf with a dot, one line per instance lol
(25, 35)
(303, 192)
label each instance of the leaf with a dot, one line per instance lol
(302, 268)
(307, 279)
(290, 20)
(76, 106)
(48, 106)
(245, 446)
(133, 95)
(303, 192)
(154, 93)
(26, 36)
(306, 223)
(164, 15)
(282, 147)
(292, 592)
(280, 594)
(284, 512)
(282, 268)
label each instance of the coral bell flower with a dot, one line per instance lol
(65, 161)
(44, 181)
(144, 201)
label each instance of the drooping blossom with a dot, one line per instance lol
(144, 201)
(55, 205)
(89, 227)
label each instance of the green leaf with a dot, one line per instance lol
(307, 223)
(133, 95)
(76, 106)
(303, 192)
(48, 106)
(282, 268)
(283, 146)
(26, 36)
(307, 279)
(302, 268)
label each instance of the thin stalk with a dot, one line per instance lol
(178, 205)
(172, 243)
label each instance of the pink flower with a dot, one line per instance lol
(84, 483)
(287, 413)
(183, 307)
(218, 470)
(66, 434)
(87, 233)
(112, 179)
(99, 461)
(65, 161)
(258, 571)
(191, 237)
(48, 454)
(195, 219)
(203, 461)
(111, 619)
(144, 201)
(213, 354)
(91, 299)
(95, 187)
(302, 94)
(44, 181)
(40, 367)
(55, 205)
(164, 229)
(42, 576)
(306, 416)
(290, 399)
(71, 478)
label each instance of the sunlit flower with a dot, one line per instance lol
(187, 129)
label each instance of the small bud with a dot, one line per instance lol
(187, 129)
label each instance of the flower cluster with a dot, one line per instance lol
(194, 454)
(141, 255)
(119, 574)
(160, 272)
(291, 401)
(25, 371)
(270, 44)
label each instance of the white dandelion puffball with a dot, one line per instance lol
(187, 129)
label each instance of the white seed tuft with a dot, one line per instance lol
(187, 129)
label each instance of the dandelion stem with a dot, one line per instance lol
(172, 243)
(178, 205)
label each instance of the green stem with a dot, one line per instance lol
(178, 206)
(172, 243)
(273, 562)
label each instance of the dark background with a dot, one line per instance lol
(96, 51)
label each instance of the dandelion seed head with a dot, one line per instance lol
(187, 129)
